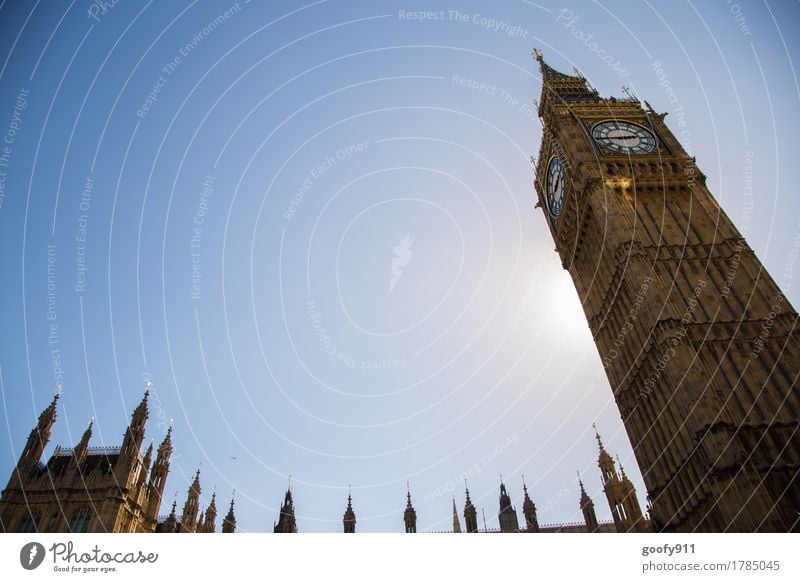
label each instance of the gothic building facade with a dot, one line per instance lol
(120, 489)
(699, 344)
(98, 489)
(620, 493)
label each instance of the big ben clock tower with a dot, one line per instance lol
(700, 346)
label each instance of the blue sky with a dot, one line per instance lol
(312, 226)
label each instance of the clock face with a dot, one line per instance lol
(623, 137)
(555, 186)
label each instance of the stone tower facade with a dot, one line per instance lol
(349, 518)
(86, 489)
(699, 344)
(587, 508)
(410, 515)
(287, 523)
(620, 493)
(470, 515)
(507, 516)
(529, 511)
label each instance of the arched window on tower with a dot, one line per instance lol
(80, 521)
(29, 523)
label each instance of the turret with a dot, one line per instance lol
(229, 523)
(210, 524)
(470, 515)
(134, 435)
(40, 435)
(171, 523)
(287, 522)
(191, 507)
(349, 519)
(587, 507)
(158, 476)
(410, 516)
(509, 523)
(82, 448)
(631, 502)
(34, 447)
(613, 488)
(529, 511)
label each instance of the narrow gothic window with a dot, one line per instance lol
(80, 522)
(29, 524)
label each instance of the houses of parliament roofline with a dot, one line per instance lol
(120, 489)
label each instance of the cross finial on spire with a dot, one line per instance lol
(597, 436)
(537, 54)
(627, 91)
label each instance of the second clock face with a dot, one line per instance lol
(623, 137)
(555, 186)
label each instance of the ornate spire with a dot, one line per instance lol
(456, 524)
(607, 469)
(167, 442)
(189, 517)
(587, 507)
(529, 510)
(134, 435)
(560, 88)
(287, 522)
(39, 437)
(548, 72)
(171, 523)
(48, 416)
(410, 515)
(349, 519)
(211, 515)
(508, 514)
(470, 514)
(229, 523)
